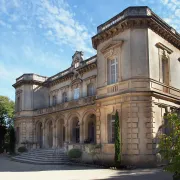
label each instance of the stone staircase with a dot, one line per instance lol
(43, 156)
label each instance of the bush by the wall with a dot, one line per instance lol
(22, 149)
(74, 153)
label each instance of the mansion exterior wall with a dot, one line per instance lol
(138, 95)
(153, 39)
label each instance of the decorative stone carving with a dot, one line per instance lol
(77, 57)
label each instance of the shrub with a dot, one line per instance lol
(117, 144)
(87, 141)
(170, 144)
(74, 153)
(22, 149)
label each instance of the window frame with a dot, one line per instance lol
(90, 89)
(111, 128)
(110, 66)
(54, 100)
(74, 93)
(164, 69)
(64, 97)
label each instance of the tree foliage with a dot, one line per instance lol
(6, 110)
(117, 157)
(6, 118)
(170, 143)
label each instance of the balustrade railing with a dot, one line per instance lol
(67, 105)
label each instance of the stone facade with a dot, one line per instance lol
(136, 72)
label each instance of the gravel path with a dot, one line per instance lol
(10, 170)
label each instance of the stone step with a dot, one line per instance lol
(43, 156)
(49, 155)
(43, 162)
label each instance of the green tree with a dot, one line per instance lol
(6, 118)
(117, 157)
(170, 144)
(12, 140)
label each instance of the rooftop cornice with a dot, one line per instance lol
(86, 66)
(133, 17)
(22, 82)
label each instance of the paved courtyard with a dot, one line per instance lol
(11, 170)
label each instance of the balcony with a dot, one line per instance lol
(67, 105)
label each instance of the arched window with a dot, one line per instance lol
(111, 128)
(64, 97)
(90, 89)
(76, 131)
(91, 132)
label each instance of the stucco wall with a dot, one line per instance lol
(40, 97)
(153, 38)
(132, 56)
(139, 53)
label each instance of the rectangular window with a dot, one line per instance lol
(112, 71)
(90, 90)
(76, 93)
(54, 100)
(111, 128)
(164, 67)
(164, 71)
(64, 97)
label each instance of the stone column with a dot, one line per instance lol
(67, 131)
(81, 131)
(98, 124)
(44, 135)
(54, 136)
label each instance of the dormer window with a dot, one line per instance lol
(76, 65)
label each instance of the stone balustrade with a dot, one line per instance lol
(67, 105)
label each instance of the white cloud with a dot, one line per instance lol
(9, 73)
(66, 29)
(177, 13)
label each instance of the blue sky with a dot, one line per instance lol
(40, 36)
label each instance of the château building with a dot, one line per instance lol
(136, 72)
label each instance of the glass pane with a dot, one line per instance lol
(76, 93)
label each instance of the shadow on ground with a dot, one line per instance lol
(7, 165)
(141, 174)
(78, 172)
